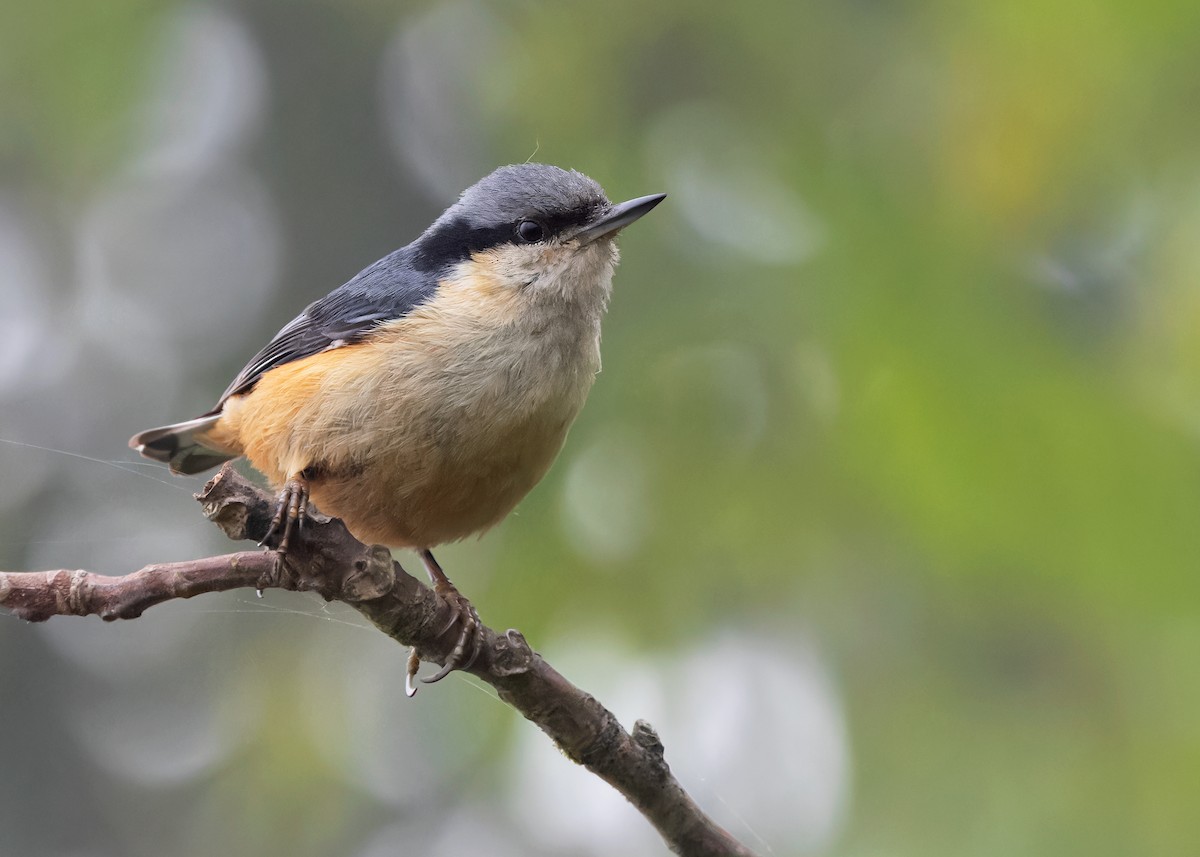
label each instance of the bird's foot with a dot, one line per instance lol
(470, 638)
(291, 505)
(291, 508)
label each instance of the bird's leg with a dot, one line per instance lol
(470, 639)
(291, 506)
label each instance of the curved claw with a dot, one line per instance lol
(470, 641)
(414, 663)
(452, 663)
(476, 646)
(440, 674)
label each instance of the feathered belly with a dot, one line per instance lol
(423, 491)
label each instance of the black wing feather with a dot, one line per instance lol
(387, 290)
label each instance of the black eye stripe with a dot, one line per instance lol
(456, 240)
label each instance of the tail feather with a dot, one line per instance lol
(181, 446)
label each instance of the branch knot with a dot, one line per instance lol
(645, 737)
(370, 577)
(78, 594)
(511, 654)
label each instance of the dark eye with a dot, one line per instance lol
(530, 231)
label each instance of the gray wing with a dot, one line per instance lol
(385, 291)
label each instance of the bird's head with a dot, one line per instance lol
(540, 229)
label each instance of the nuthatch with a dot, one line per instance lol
(420, 401)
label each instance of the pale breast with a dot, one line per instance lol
(432, 429)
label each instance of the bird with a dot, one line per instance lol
(421, 400)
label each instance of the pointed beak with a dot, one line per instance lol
(618, 217)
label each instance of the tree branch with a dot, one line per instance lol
(331, 562)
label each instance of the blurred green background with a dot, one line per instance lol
(883, 510)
